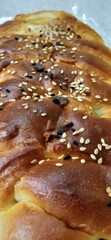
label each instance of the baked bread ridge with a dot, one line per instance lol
(55, 121)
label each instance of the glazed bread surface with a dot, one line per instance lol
(55, 129)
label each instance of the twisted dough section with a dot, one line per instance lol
(55, 121)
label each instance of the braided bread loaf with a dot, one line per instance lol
(55, 123)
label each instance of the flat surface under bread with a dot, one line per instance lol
(55, 121)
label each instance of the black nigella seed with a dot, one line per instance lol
(64, 128)
(75, 143)
(22, 89)
(33, 43)
(73, 129)
(101, 239)
(67, 157)
(72, 88)
(33, 64)
(60, 132)
(58, 44)
(62, 101)
(16, 38)
(64, 86)
(109, 204)
(40, 35)
(29, 76)
(51, 75)
(39, 67)
(56, 100)
(56, 136)
(78, 36)
(52, 94)
(7, 90)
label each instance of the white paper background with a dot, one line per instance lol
(96, 13)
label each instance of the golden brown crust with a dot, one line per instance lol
(55, 98)
(44, 226)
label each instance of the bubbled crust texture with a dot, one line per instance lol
(55, 121)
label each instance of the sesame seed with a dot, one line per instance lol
(62, 71)
(87, 141)
(30, 89)
(35, 94)
(93, 156)
(54, 83)
(20, 85)
(81, 130)
(108, 189)
(19, 49)
(64, 135)
(24, 93)
(81, 72)
(1, 103)
(109, 194)
(60, 157)
(33, 72)
(1, 54)
(96, 151)
(74, 48)
(105, 99)
(49, 89)
(33, 87)
(13, 72)
(26, 107)
(82, 149)
(108, 147)
(41, 97)
(56, 65)
(97, 96)
(41, 161)
(75, 158)
(76, 133)
(73, 72)
(100, 160)
(82, 140)
(68, 145)
(24, 104)
(80, 99)
(85, 117)
(75, 109)
(36, 99)
(59, 164)
(12, 100)
(34, 161)
(62, 140)
(93, 79)
(32, 61)
(25, 74)
(59, 93)
(102, 140)
(3, 95)
(82, 161)
(43, 114)
(27, 97)
(34, 110)
(25, 83)
(99, 146)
